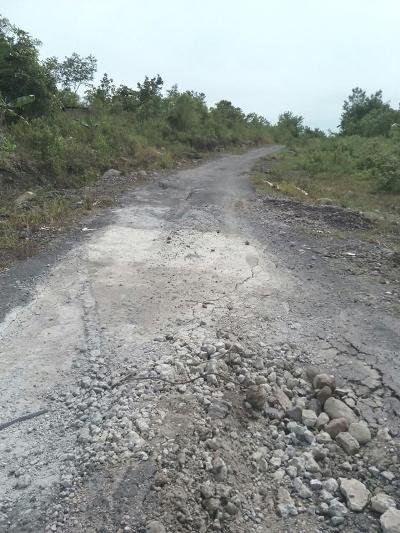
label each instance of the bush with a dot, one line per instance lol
(387, 171)
(7, 151)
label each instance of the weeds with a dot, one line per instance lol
(18, 226)
(348, 171)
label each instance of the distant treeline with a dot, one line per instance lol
(56, 125)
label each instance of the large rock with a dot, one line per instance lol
(282, 398)
(337, 508)
(311, 372)
(337, 409)
(302, 490)
(220, 469)
(23, 481)
(360, 431)
(334, 427)
(219, 408)
(323, 394)
(381, 502)
(331, 485)
(155, 527)
(322, 420)
(324, 380)
(315, 405)
(348, 443)
(285, 504)
(256, 396)
(24, 199)
(356, 493)
(309, 418)
(310, 464)
(383, 435)
(109, 174)
(390, 521)
(323, 437)
(302, 434)
(295, 413)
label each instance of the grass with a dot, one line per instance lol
(345, 172)
(354, 191)
(275, 186)
(23, 229)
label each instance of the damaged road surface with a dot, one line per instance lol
(197, 363)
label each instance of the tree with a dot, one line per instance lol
(104, 93)
(187, 111)
(150, 89)
(73, 71)
(126, 97)
(150, 97)
(356, 108)
(378, 122)
(313, 132)
(227, 113)
(21, 73)
(290, 124)
(257, 120)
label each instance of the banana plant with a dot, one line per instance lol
(11, 108)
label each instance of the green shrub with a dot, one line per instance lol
(387, 170)
(7, 151)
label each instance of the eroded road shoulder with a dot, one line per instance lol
(170, 349)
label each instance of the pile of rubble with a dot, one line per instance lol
(239, 439)
(271, 445)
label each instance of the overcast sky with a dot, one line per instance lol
(265, 56)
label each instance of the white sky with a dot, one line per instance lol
(265, 56)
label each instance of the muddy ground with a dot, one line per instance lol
(142, 338)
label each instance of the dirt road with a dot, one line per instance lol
(110, 336)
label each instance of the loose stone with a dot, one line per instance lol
(295, 413)
(360, 431)
(331, 485)
(322, 420)
(335, 408)
(155, 527)
(356, 493)
(285, 505)
(256, 396)
(348, 443)
(336, 426)
(324, 380)
(390, 521)
(302, 490)
(309, 418)
(324, 394)
(381, 502)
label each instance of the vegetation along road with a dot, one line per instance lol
(168, 346)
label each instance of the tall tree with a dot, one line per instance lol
(72, 72)
(21, 72)
(366, 115)
(290, 123)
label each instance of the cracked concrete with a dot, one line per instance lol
(192, 256)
